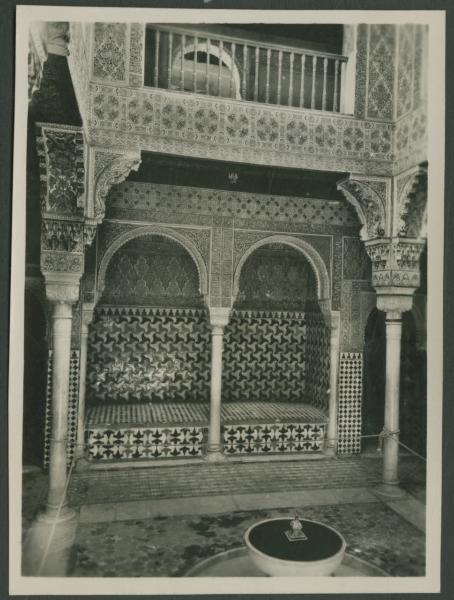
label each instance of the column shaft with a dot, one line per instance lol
(391, 421)
(214, 433)
(61, 352)
(80, 447)
(333, 382)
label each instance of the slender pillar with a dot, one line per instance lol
(393, 305)
(391, 419)
(331, 434)
(219, 318)
(87, 317)
(61, 352)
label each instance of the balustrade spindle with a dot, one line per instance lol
(243, 91)
(220, 67)
(169, 66)
(279, 76)
(256, 74)
(336, 69)
(194, 66)
(267, 88)
(232, 70)
(183, 46)
(207, 72)
(303, 66)
(314, 68)
(156, 58)
(325, 67)
(276, 70)
(290, 83)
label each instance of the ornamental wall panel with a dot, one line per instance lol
(193, 125)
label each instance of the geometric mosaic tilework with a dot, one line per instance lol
(48, 413)
(317, 361)
(349, 403)
(142, 443)
(73, 401)
(274, 438)
(161, 356)
(181, 414)
(264, 357)
(152, 199)
(139, 443)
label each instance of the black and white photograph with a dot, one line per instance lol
(226, 301)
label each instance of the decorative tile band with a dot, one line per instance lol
(350, 398)
(73, 401)
(141, 443)
(134, 443)
(274, 438)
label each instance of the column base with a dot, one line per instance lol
(215, 456)
(330, 451)
(82, 464)
(51, 514)
(390, 491)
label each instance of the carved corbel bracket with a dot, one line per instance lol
(106, 169)
(395, 263)
(370, 198)
(61, 152)
(411, 209)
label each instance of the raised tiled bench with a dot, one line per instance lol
(249, 428)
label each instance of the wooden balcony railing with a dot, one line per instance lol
(190, 61)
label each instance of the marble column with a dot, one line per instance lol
(393, 307)
(219, 317)
(331, 434)
(56, 506)
(87, 317)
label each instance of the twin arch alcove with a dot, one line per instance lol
(149, 351)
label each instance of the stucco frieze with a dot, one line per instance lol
(194, 125)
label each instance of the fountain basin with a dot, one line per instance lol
(272, 552)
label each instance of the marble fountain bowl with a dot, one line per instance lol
(274, 554)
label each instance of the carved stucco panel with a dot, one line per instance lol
(371, 198)
(411, 203)
(61, 156)
(381, 60)
(110, 52)
(165, 121)
(136, 54)
(105, 170)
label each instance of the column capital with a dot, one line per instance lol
(335, 322)
(62, 288)
(395, 263)
(219, 316)
(394, 304)
(88, 309)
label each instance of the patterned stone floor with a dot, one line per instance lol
(205, 479)
(168, 547)
(198, 413)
